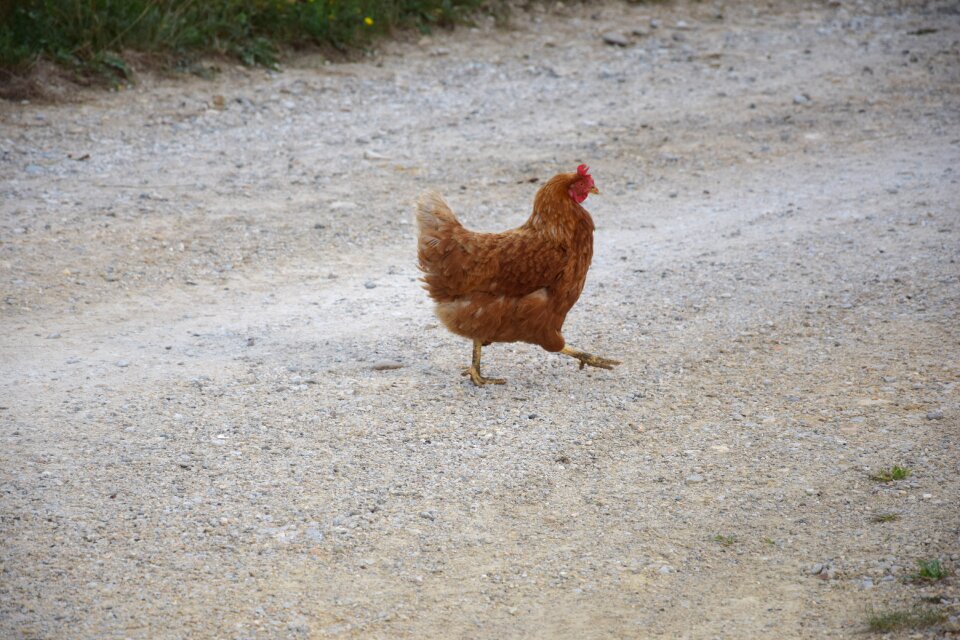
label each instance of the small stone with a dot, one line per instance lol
(695, 478)
(665, 569)
(340, 205)
(53, 336)
(373, 155)
(801, 98)
(386, 365)
(615, 38)
(123, 363)
(370, 285)
(816, 568)
(889, 379)
(935, 414)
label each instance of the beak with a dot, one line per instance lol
(594, 191)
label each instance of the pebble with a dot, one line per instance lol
(935, 414)
(370, 285)
(386, 365)
(695, 478)
(615, 38)
(801, 98)
(123, 363)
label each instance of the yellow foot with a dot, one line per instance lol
(590, 359)
(479, 380)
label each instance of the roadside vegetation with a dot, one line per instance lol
(97, 39)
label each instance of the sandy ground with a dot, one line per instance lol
(226, 409)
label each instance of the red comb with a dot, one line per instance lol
(583, 170)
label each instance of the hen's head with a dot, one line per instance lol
(582, 184)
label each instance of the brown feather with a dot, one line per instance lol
(514, 286)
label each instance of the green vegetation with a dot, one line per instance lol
(726, 541)
(895, 473)
(917, 618)
(930, 570)
(886, 517)
(96, 35)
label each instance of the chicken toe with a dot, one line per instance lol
(474, 369)
(589, 359)
(479, 380)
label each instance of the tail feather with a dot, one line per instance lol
(435, 223)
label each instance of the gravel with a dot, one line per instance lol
(780, 282)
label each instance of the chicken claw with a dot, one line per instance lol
(474, 369)
(589, 359)
(479, 380)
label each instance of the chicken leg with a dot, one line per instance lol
(474, 370)
(589, 359)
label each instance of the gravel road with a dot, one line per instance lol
(226, 409)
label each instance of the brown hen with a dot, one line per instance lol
(514, 286)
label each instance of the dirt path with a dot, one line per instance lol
(227, 411)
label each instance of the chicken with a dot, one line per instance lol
(515, 286)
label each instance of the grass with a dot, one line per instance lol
(894, 473)
(930, 571)
(900, 619)
(97, 36)
(725, 541)
(886, 517)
